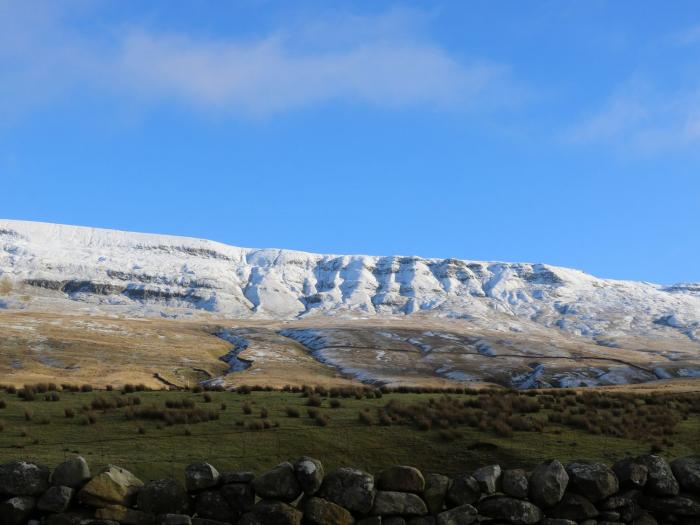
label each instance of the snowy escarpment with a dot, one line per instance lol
(44, 265)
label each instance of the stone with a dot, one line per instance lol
(309, 473)
(201, 476)
(609, 515)
(240, 496)
(272, 513)
(206, 521)
(489, 479)
(163, 496)
(644, 519)
(173, 519)
(16, 511)
(349, 488)
(436, 486)
(212, 505)
(548, 483)
(464, 490)
(623, 499)
(401, 479)
(67, 518)
(73, 473)
(280, 483)
(390, 503)
(23, 478)
(422, 520)
(513, 510)
(514, 483)
(462, 515)
(593, 480)
(630, 473)
(394, 520)
(687, 472)
(318, 511)
(125, 515)
(660, 479)
(56, 499)
(573, 507)
(678, 505)
(371, 520)
(231, 476)
(557, 521)
(112, 486)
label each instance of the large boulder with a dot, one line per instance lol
(463, 491)
(16, 511)
(56, 499)
(436, 486)
(573, 507)
(236, 476)
(112, 486)
(422, 520)
(514, 483)
(593, 480)
(513, 510)
(318, 511)
(201, 476)
(462, 515)
(678, 505)
(687, 472)
(660, 480)
(124, 515)
(309, 473)
(401, 479)
(73, 473)
(173, 519)
(163, 496)
(391, 503)
(349, 488)
(240, 496)
(23, 478)
(630, 473)
(280, 483)
(210, 504)
(548, 483)
(272, 513)
(489, 479)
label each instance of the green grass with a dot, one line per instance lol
(159, 450)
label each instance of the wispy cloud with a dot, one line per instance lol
(381, 61)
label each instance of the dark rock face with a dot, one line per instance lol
(280, 483)
(162, 497)
(16, 511)
(489, 479)
(229, 477)
(510, 509)
(56, 499)
(631, 473)
(687, 472)
(201, 476)
(464, 490)
(679, 505)
(573, 507)
(660, 480)
(548, 483)
(318, 511)
(23, 478)
(514, 483)
(73, 473)
(309, 473)
(173, 519)
(272, 513)
(389, 503)
(211, 504)
(240, 496)
(436, 486)
(349, 488)
(593, 480)
(401, 479)
(462, 515)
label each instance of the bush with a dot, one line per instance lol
(3, 404)
(365, 417)
(52, 396)
(322, 420)
(69, 413)
(263, 413)
(207, 397)
(312, 413)
(247, 409)
(292, 412)
(86, 388)
(314, 400)
(28, 393)
(335, 403)
(28, 415)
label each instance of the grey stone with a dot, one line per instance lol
(125, 515)
(464, 490)
(56, 499)
(514, 483)
(687, 472)
(489, 479)
(309, 473)
(371, 520)
(280, 483)
(644, 519)
(631, 473)
(73, 473)
(240, 496)
(173, 519)
(349, 488)
(622, 499)
(401, 479)
(272, 513)
(513, 510)
(573, 507)
(232, 476)
(462, 515)
(205, 521)
(318, 511)
(660, 479)
(548, 483)
(557, 521)
(394, 520)
(422, 520)
(593, 480)
(23, 478)
(436, 486)
(212, 505)
(678, 505)
(16, 511)
(201, 476)
(163, 496)
(390, 503)
(112, 486)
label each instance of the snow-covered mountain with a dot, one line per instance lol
(56, 266)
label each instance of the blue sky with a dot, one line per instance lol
(553, 131)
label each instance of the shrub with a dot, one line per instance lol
(86, 388)
(365, 417)
(3, 404)
(335, 403)
(28, 393)
(247, 409)
(312, 413)
(2, 426)
(263, 413)
(28, 415)
(141, 430)
(69, 413)
(52, 396)
(314, 400)
(179, 403)
(207, 397)
(244, 389)
(223, 406)
(322, 420)
(292, 412)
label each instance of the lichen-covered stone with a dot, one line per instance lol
(113, 486)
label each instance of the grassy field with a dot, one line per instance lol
(460, 439)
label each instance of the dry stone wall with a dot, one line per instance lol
(641, 490)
